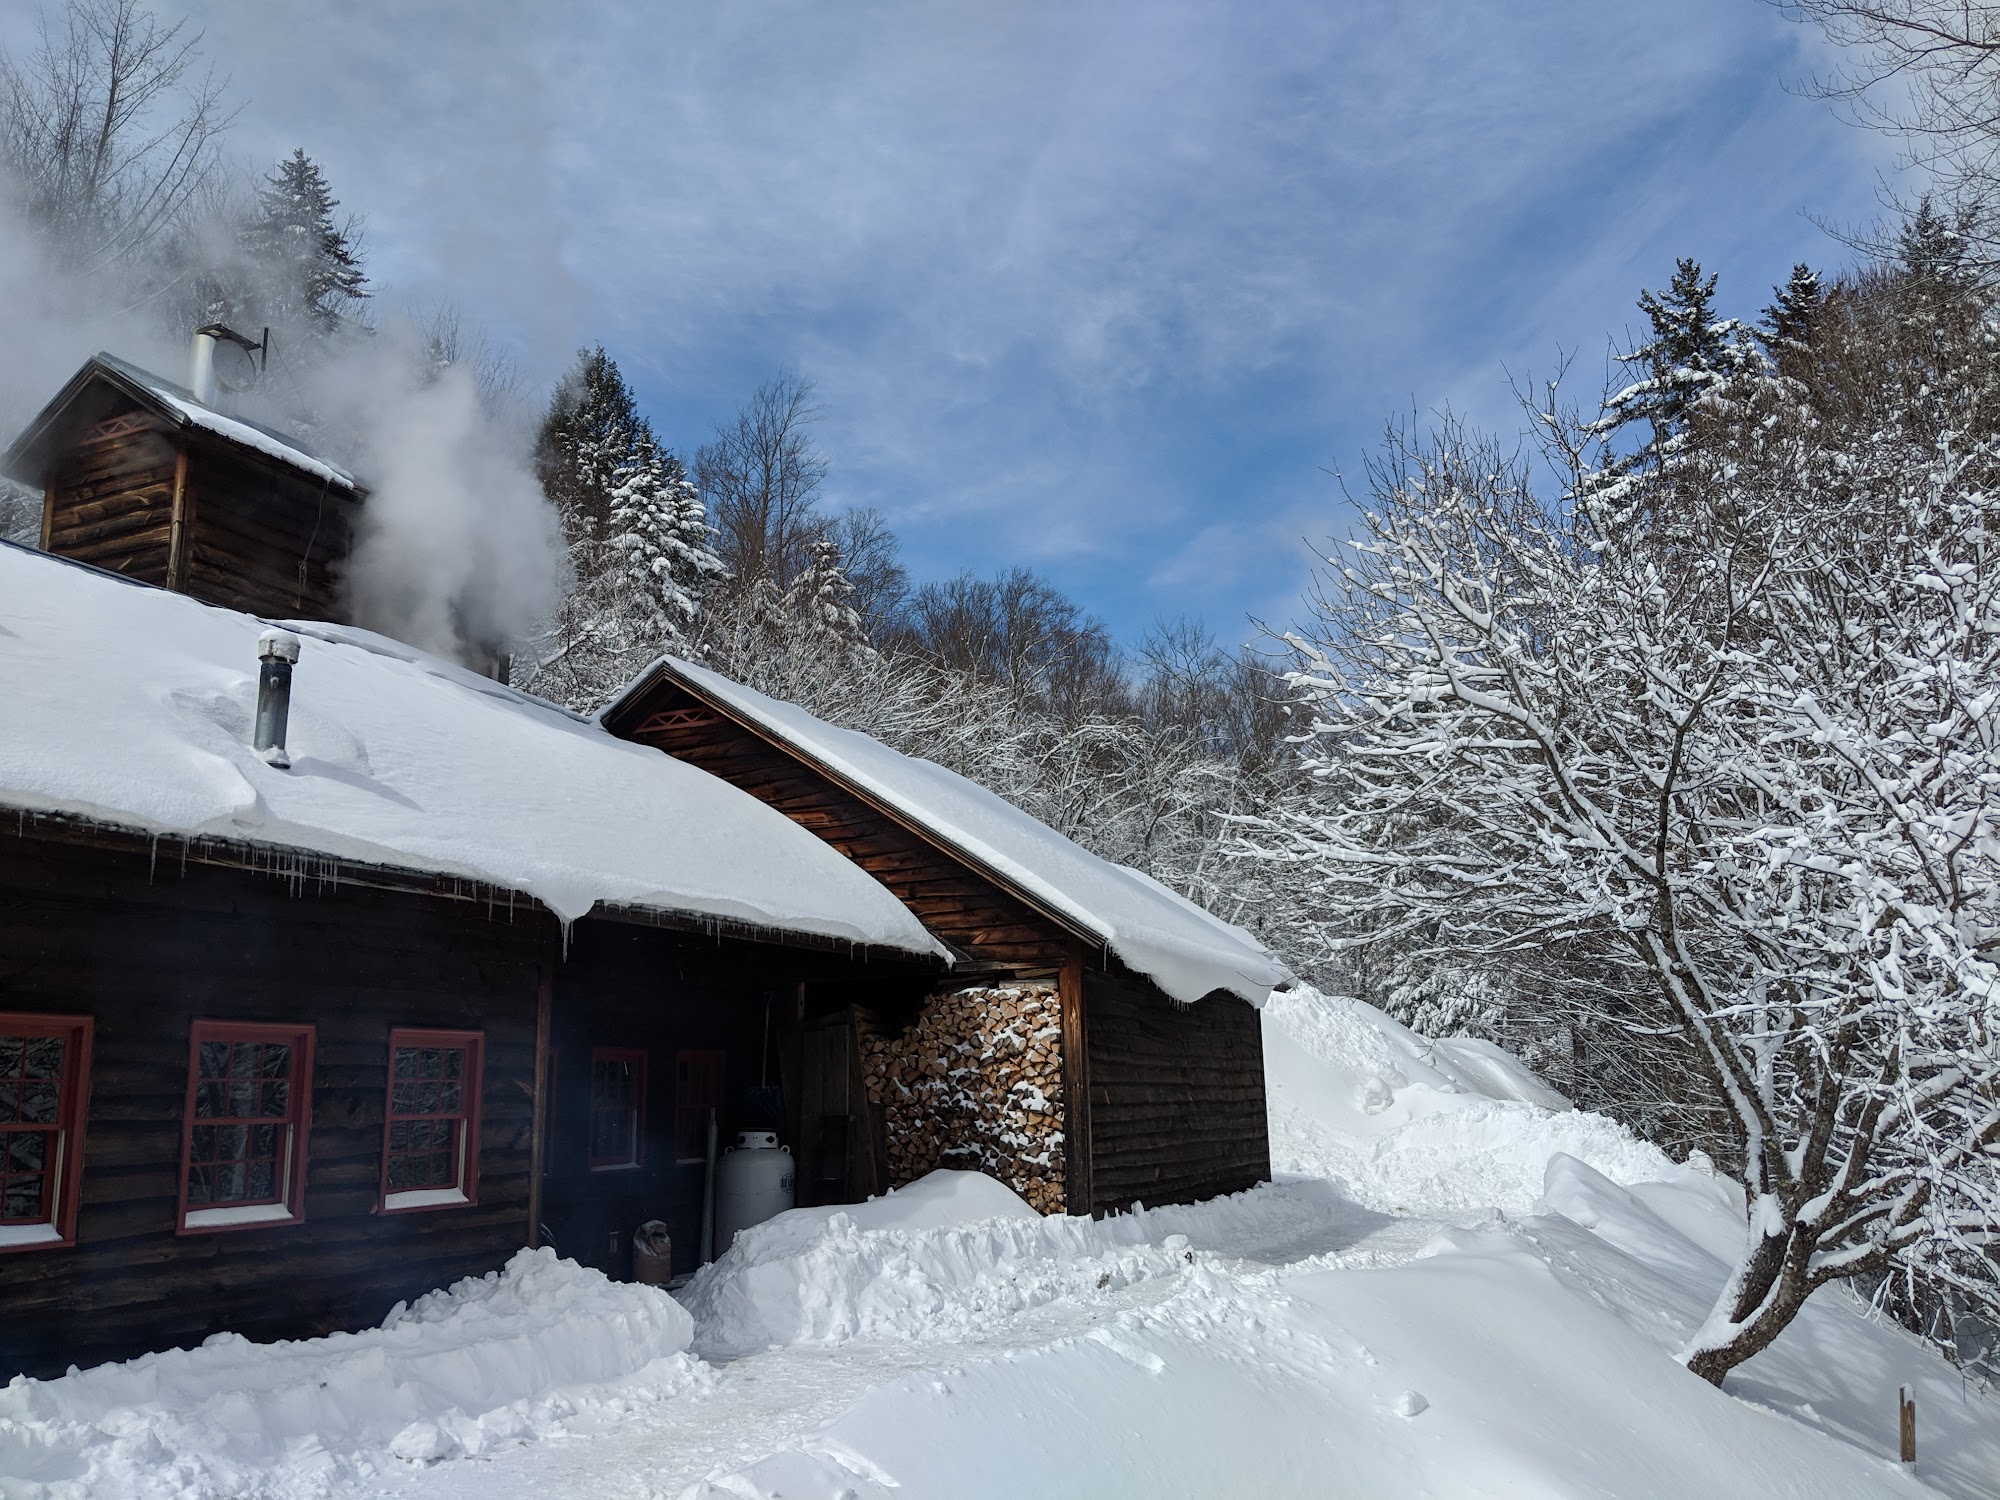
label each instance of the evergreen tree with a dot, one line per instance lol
(820, 600)
(307, 266)
(662, 536)
(587, 436)
(1793, 318)
(1691, 351)
(1931, 250)
(641, 549)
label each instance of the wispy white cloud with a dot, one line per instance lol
(1096, 287)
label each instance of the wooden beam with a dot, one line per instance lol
(178, 544)
(1077, 1174)
(48, 508)
(537, 1143)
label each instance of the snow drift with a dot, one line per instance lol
(493, 1360)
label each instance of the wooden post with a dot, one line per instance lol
(1906, 1422)
(48, 510)
(1078, 1195)
(180, 536)
(537, 1144)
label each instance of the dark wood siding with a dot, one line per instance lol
(146, 947)
(1177, 1110)
(958, 905)
(110, 502)
(263, 538)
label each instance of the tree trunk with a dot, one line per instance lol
(1762, 1298)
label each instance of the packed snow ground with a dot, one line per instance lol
(1457, 1288)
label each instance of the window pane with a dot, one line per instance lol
(9, 1093)
(215, 1059)
(429, 1065)
(397, 1174)
(263, 1183)
(264, 1140)
(39, 1103)
(276, 1100)
(399, 1137)
(454, 1063)
(201, 1144)
(449, 1096)
(25, 1150)
(243, 1060)
(211, 1101)
(427, 1098)
(232, 1141)
(44, 1057)
(201, 1184)
(23, 1198)
(277, 1059)
(243, 1101)
(10, 1056)
(229, 1182)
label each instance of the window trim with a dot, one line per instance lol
(72, 1114)
(228, 1218)
(466, 1194)
(720, 1061)
(638, 1156)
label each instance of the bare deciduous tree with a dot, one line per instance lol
(761, 477)
(110, 125)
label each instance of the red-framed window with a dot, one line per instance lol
(249, 1103)
(617, 1108)
(697, 1095)
(430, 1125)
(44, 1087)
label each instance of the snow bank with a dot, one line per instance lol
(1410, 1125)
(1155, 931)
(493, 1360)
(132, 706)
(947, 1256)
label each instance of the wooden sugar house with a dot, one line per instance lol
(272, 1078)
(144, 478)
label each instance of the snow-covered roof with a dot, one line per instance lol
(1185, 950)
(132, 706)
(176, 404)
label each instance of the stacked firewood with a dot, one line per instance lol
(976, 1084)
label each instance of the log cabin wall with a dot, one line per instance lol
(1177, 1108)
(261, 537)
(671, 996)
(145, 947)
(960, 907)
(110, 500)
(181, 509)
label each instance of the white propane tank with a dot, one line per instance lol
(753, 1183)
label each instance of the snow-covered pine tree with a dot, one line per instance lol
(819, 601)
(307, 266)
(1793, 317)
(641, 549)
(661, 533)
(1933, 249)
(1691, 351)
(586, 438)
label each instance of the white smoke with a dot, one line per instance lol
(459, 551)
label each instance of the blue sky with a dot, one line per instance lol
(1106, 289)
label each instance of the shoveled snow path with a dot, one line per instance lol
(764, 1401)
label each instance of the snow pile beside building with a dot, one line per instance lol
(492, 1361)
(1407, 1124)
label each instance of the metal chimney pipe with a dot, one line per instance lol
(277, 650)
(201, 366)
